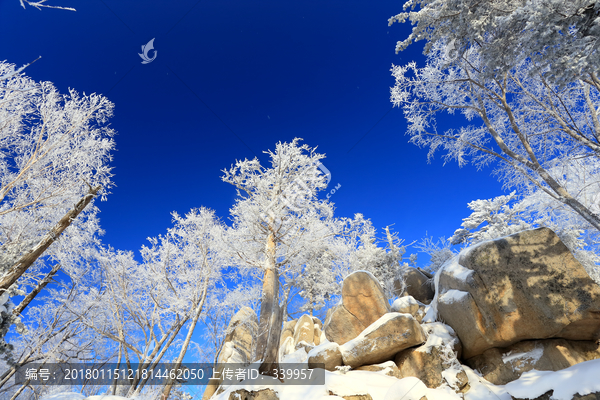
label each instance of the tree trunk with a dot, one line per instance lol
(271, 358)
(269, 327)
(26, 260)
(188, 338)
(19, 309)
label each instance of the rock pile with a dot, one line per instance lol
(508, 306)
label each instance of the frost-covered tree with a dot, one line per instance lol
(383, 257)
(276, 218)
(53, 333)
(537, 134)
(439, 251)
(505, 215)
(54, 155)
(39, 4)
(149, 310)
(559, 34)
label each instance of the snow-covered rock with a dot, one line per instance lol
(382, 340)
(435, 363)
(416, 284)
(363, 302)
(341, 326)
(304, 330)
(504, 365)
(406, 305)
(520, 287)
(328, 354)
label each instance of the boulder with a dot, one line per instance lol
(406, 304)
(363, 297)
(317, 322)
(317, 335)
(284, 336)
(304, 345)
(304, 330)
(384, 338)
(237, 346)
(435, 363)
(289, 326)
(240, 334)
(363, 302)
(243, 394)
(327, 354)
(341, 326)
(388, 368)
(286, 347)
(502, 365)
(524, 286)
(417, 283)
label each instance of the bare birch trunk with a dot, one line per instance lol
(269, 327)
(28, 299)
(26, 260)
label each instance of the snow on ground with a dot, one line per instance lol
(296, 357)
(64, 396)
(581, 378)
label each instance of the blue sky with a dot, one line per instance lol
(230, 79)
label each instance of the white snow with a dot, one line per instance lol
(381, 321)
(349, 346)
(287, 347)
(322, 348)
(305, 324)
(580, 378)
(452, 296)
(533, 356)
(438, 334)
(366, 272)
(323, 338)
(481, 389)
(404, 303)
(296, 357)
(452, 267)
(64, 396)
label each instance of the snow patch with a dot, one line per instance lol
(403, 303)
(67, 396)
(481, 389)
(348, 347)
(580, 378)
(366, 272)
(287, 347)
(452, 267)
(297, 357)
(438, 335)
(453, 296)
(533, 356)
(322, 348)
